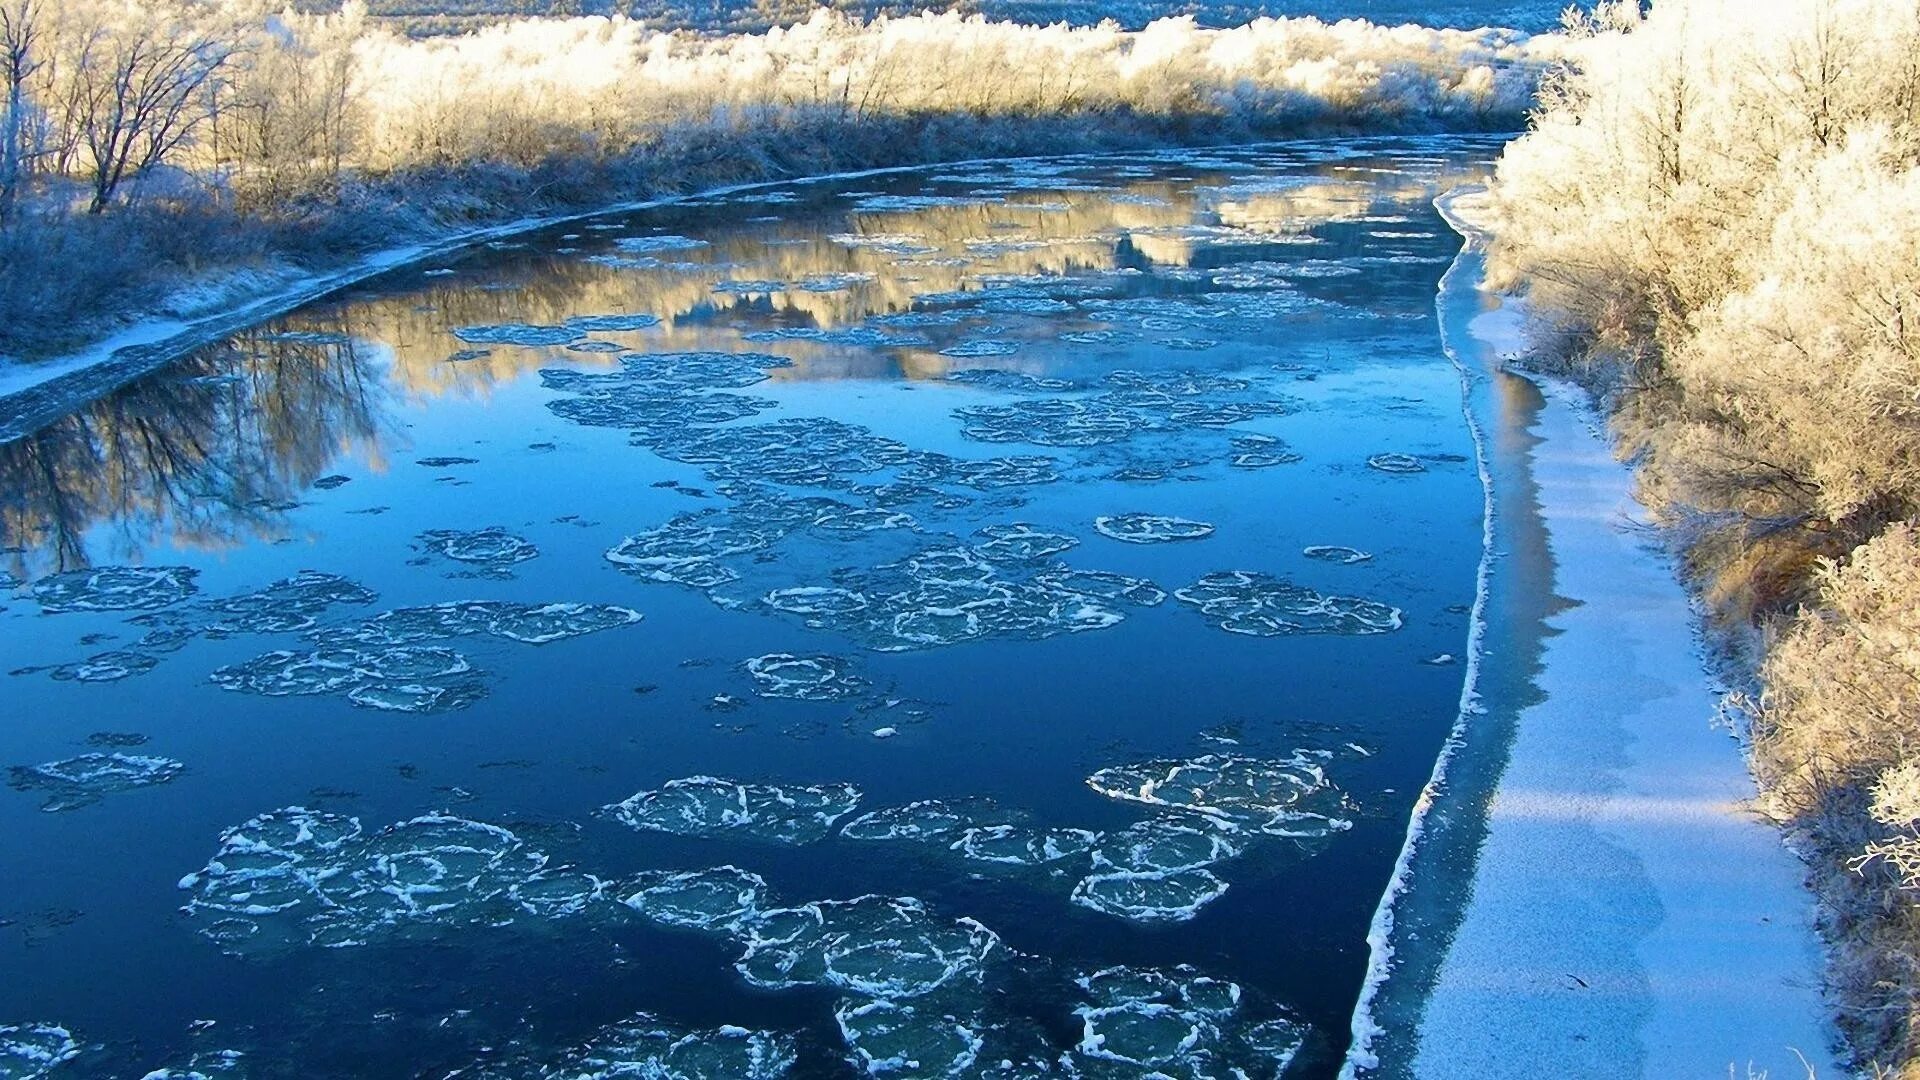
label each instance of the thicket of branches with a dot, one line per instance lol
(1720, 202)
(144, 140)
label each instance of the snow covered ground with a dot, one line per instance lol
(1627, 915)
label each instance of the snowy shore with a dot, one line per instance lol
(1616, 910)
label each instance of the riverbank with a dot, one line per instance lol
(1617, 910)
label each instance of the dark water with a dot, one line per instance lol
(848, 381)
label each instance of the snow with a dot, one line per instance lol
(1628, 914)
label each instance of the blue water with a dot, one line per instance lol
(1248, 328)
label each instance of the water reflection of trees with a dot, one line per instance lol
(209, 454)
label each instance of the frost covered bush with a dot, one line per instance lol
(1718, 202)
(318, 135)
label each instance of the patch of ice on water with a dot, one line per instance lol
(896, 1039)
(32, 1051)
(924, 820)
(80, 781)
(720, 899)
(1023, 845)
(1289, 797)
(523, 334)
(1246, 602)
(295, 877)
(709, 806)
(1396, 463)
(611, 323)
(406, 678)
(1149, 896)
(1137, 528)
(642, 1047)
(649, 245)
(115, 588)
(1335, 553)
(1022, 542)
(981, 347)
(878, 946)
(106, 667)
(816, 677)
(493, 549)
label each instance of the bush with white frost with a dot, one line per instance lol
(1719, 204)
(305, 137)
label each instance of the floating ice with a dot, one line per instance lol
(115, 588)
(981, 347)
(288, 605)
(648, 245)
(1014, 381)
(709, 806)
(1052, 422)
(493, 549)
(206, 1065)
(1022, 845)
(1276, 796)
(1396, 463)
(81, 781)
(1151, 528)
(519, 334)
(894, 1039)
(1160, 846)
(533, 624)
(1025, 305)
(1103, 584)
(407, 678)
(1334, 553)
(1149, 896)
(1245, 602)
(941, 595)
(106, 667)
(885, 243)
(31, 1051)
(927, 819)
(643, 1048)
(810, 678)
(864, 336)
(1179, 1023)
(611, 323)
(296, 877)
(718, 899)
(882, 947)
(985, 474)
(1022, 542)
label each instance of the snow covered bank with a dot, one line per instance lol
(1620, 912)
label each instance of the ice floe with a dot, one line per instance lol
(1246, 602)
(710, 806)
(32, 1051)
(1289, 797)
(816, 677)
(719, 899)
(1151, 528)
(1335, 553)
(115, 588)
(83, 780)
(877, 946)
(295, 876)
(492, 550)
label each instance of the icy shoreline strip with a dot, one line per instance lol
(1361, 1055)
(1627, 915)
(35, 393)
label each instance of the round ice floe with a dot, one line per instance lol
(31, 1051)
(1151, 528)
(206, 1065)
(811, 678)
(1334, 553)
(288, 605)
(106, 667)
(1104, 585)
(1149, 897)
(882, 947)
(1052, 422)
(710, 806)
(1276, 796)
(1244, 602)
(1165, 846)
(1023, 542)
(1396, 463)
(893, 1039)
(981, 347)
(518, 334)
(611, 323)
(1012, 381)
(718, 899)
(1023, 845)
(643, 1047)
(648, 245)
(927, 819)
(1149, 1035)
(534, 624)
(115, 588)
(492, 546)
(557, 893)
(80, 781)
(406, 677)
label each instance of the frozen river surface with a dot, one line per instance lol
(986, 621)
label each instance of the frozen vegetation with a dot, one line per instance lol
(179, 156)
(1719, 209)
